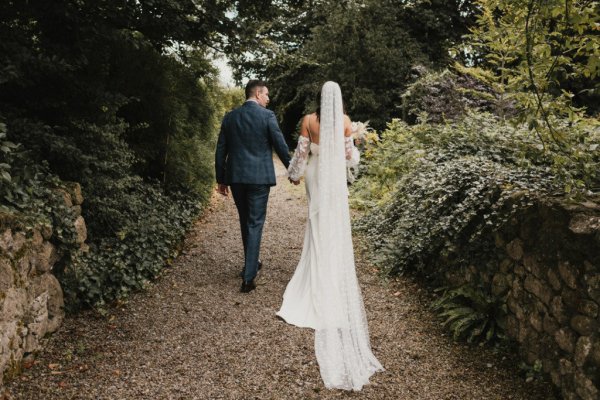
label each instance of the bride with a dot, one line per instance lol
(324, 293)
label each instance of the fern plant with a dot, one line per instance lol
(470, 313)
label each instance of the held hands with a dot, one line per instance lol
(293, 181)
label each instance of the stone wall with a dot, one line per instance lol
(31, 299)
(549, 272)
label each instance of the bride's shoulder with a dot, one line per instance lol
(347, 124)
(309, 120)
(306, 118)
(310, 116)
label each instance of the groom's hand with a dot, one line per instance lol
(223, 189)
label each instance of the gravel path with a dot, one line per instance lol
(193, 335)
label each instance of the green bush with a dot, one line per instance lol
(435, 191)
(29, 195)
(116, 266)
(135, 227)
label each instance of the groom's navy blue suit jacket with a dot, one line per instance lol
(244, 149)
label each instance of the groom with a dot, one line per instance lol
(244, 162)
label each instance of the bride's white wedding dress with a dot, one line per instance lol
(298, 307)
(323, 293)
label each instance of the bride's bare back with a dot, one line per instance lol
(310, 127)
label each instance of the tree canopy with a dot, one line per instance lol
(368, 47)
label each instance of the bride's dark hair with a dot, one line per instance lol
(318, 109)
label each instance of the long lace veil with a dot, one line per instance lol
(342, 342)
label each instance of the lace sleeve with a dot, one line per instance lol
(298, 163)
(352, 153)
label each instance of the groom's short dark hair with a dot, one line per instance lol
(252, 86)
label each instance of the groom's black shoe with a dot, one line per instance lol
(247, 287)
(244, 271)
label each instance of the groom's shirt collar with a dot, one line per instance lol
(252, 100)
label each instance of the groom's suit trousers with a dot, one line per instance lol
(251, 202)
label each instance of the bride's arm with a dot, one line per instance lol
(352, 153)
(298, 163)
